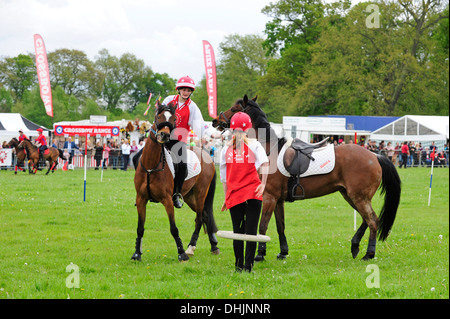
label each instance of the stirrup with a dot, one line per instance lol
(178, 200)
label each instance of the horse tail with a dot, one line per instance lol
(208, 208)
(391, 187)
(61, 155)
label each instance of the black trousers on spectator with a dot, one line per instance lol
(245, 217)
(404, 160)
(125, 158)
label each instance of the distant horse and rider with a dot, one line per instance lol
(51, 155)
(357, 174)
(20, 155)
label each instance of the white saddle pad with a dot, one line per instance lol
(193, 164)
(323, 163)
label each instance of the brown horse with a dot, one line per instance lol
(20, 154)
(154, 182)
(51, 155)
(357, 175)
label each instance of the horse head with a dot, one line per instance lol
(13, 143)
(24, 144)
(222, 121)
(165, 122)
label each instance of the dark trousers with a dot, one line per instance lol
(125, 158)
(178, 149)
(404, 160)
(245, 217)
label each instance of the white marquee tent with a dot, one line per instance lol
(11, 123)
(417, 128)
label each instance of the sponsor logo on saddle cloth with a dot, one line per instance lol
(193, 164)
(323, 163)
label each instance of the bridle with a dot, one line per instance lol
(226, 124)
(155, 128)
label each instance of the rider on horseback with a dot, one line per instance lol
(41, 143)
(188, 116)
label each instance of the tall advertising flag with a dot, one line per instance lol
(211, 83)
(43, 74)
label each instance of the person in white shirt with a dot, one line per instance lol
(126, 150)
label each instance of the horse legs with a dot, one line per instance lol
(51, 166)
(141, 208)
(193, 243)
(279, 218)
(267, 210)
(54, 166)
(168, 204)
(357, 239)
(182, 256)
(370, 220)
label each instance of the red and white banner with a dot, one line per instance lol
(211, 83)
(43, 74)
(5, 156)
(85, 129)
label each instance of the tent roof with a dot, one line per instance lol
(15, 121)
(416, 125)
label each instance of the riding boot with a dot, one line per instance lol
(180, 176)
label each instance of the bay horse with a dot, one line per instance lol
(51, 155)
(154, 182)
(20, 154)
(357, 175)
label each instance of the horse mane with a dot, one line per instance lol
(171, 107)
(259, 120)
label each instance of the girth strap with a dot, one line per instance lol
(155, 169)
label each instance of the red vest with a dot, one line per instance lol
(182, 129)
(41, 139)
(242, 176)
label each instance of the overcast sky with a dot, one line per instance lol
(166, 34)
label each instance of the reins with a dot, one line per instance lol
(162, 159)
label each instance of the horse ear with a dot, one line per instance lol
(245, 99)
(254, 99)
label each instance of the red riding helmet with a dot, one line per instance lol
(186, 82)
(40, 130)
(241, 121)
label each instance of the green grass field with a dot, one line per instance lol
(45, 227)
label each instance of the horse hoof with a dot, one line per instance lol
(282, 256)
(215, 251)
(190, 250)
(368, 257)
(355, 253)
(136, 256)
(259, 258)
(183, 257)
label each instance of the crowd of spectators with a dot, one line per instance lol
(411, 154)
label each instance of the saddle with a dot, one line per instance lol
(296, 160)
(298, 156)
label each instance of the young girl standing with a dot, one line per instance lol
(239, 164)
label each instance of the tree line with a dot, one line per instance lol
(387, 58)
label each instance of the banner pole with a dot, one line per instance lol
(85, 165)
(431, 177)
(354, 211)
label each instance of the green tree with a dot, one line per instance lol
(385, 70)
(74, 72)
(6, 101)
(119, 76)
(242, 62)
(18, 75)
